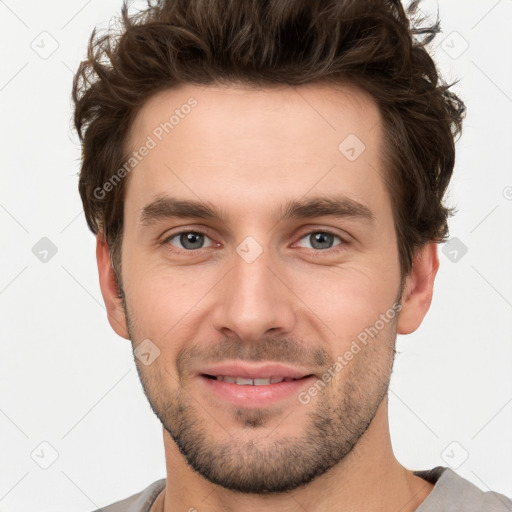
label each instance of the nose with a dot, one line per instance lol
(254, 300)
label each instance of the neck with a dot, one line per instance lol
(368, 478)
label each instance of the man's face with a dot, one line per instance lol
(255, 293)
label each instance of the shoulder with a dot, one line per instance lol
(140, 502)
(453, 493)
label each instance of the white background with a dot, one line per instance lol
(68, 380)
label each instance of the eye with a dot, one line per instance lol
(189, 240)
(321, 240)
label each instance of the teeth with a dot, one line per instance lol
(242, 381)
(261, 382)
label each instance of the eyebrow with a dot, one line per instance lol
(166, 207)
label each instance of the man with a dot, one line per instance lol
(265, 180)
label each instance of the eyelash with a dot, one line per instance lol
(316, 252)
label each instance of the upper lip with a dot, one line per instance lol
(253, 370)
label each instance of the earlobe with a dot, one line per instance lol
(418, 289)
(109, 289)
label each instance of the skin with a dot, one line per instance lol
(246, 152)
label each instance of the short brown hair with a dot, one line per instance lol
(372, 44)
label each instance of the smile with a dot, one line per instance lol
(244, 381)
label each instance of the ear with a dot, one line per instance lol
(418, 289)
(109, 289)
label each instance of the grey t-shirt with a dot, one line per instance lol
(451, 493)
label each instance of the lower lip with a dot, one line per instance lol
(250, 397)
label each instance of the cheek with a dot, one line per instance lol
(348, 299)
(163, 299)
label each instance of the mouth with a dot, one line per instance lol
(244, 381)
(252, 386)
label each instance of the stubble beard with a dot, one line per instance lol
(339, 417)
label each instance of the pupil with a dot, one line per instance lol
(321, 240)
(191, 240)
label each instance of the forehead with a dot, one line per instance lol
(272, 142)
(236, 110)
